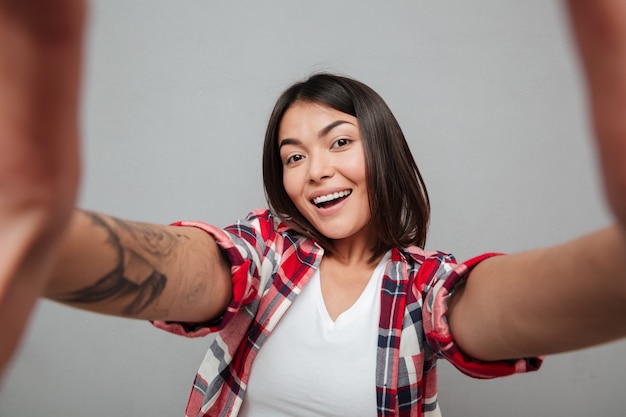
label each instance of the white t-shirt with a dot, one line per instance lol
(310, 366)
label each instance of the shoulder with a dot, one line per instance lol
(258, 222)
(263, 227)
(417, 257)
(424, 269)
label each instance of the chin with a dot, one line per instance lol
(337, 234)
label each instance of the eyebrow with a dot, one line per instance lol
(323, 132)
(331, 126)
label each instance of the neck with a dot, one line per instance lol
(354, 250)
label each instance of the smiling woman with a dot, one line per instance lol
(323, 304)
(396, 212)
(318, 168)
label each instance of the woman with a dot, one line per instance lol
(159, 273)
(367, 301)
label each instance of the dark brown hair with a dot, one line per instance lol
(398, 198)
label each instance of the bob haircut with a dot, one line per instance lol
(398, 198)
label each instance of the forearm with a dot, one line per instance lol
(140, 270)
(544, 301)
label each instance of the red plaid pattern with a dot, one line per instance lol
(270, 264)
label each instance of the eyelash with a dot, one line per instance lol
(339, 143)
(344, 140)
(291, 159)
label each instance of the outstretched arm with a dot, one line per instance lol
(48, 248)
(572, 295)
(140, 270)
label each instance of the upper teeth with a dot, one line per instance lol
(332, 196)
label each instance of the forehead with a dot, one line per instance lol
(303, 118)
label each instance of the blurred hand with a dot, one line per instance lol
(600, 30)
(40, 62)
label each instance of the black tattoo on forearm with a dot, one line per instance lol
(116, 285)
(134, 277)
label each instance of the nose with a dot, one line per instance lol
(320, 167)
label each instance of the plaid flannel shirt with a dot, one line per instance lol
(270, 264)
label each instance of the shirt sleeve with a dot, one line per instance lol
(445, 276)
(244, 244)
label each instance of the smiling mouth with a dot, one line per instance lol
(331, 199)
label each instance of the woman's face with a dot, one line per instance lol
(324, 169)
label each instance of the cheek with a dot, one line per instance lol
(290, 183)
(353, 164)
(355, 168)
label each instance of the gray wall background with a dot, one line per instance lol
(175, 103)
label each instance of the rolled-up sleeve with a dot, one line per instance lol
(443, 277)
(243, 245)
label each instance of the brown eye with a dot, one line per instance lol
(341, 142)
(294, 158)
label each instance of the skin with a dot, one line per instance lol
(158, 272)
(40, 55)
(140, 270)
